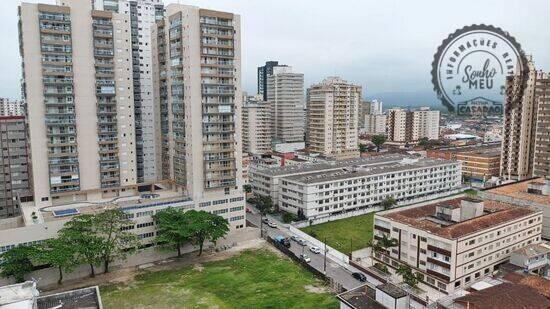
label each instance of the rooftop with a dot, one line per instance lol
(362, 297)
(495, 213)
(518, 190)
(76, 299)
(19, 295)
(382, 167)
(533, 250)
(331, 165)
(504, 296)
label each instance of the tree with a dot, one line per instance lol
(384, 243)
(424, 142)
(16, 262)
(409, 277)
(81, 232)
(247, 188)
(264, 205)
(115, 242)
(172, 228)
(378, 140)
(388, 202)
(57, 252)
(203, 226)
(363, 148)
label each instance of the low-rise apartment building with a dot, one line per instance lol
(331, 188)
(533, 192)
(454, 243)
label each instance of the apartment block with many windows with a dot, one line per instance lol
(9, 107)
(257, 127)
(455, 243)
(78, 86)
(197, 72)
(332, 118)
(409, 126)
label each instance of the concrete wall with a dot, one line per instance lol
(335, 255)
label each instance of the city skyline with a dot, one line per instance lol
(360, 52)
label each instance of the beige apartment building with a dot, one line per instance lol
(332, 118)
(9, 107)
(455, 243)
(197, 78)
(285, 93)
(526, 134)
(77, 75)
(409, 126)
(257, 126)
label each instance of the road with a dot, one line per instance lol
(333, 270)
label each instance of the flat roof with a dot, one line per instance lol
(88, 298)
(323, 166)
(20, 295)
(382, 168)
(533, 250)
(362, 297)
(518, 190)
(495, 213)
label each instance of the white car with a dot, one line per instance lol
(315, 249)
(301, 242)
(271, 224)
(305, 258)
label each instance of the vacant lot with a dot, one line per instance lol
(252, 279)
(340, 234)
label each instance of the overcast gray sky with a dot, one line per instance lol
(385, 46)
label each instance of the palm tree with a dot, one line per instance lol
(385, 242)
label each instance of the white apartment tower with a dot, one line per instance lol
(143, 15)
(285, 92)
(197, 78)
(405, 126)
(256, 126)
(10, 107)
(77, 83)
(332, 118)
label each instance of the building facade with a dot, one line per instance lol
(256, 126)
(409, 126)
(454, 243)
(9, 107)
(77, 83)
(332, 118)
(285, 93)
(525, 143)
(143, 14)
(319, 190)
(374, 124)
(263, 72)
(14, 180)
(197, 72)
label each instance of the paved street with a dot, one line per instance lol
(333, 270)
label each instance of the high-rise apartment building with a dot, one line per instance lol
(363, 110)
(14, 179)
(285, 92)
(374, 124)
(77, 82)
(256, 126)
(9, 107)
(197, 71)
(526, 134)
(409, 126)
(263, 73)
(143, 15)
(332, 118)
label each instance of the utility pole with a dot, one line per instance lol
(325, 263)
(351, 248)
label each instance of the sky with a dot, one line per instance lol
(385, 46)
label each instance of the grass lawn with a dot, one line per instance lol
(339, 233)
(252, 279)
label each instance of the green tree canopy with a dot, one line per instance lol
(172, 230)
(81, 232)
(59, 253)
(378, 140)
(204, 226)
(115, 242)
(17, 262)
(388, 202)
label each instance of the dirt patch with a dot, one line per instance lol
(198, 267)
(316, 289)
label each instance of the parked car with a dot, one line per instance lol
(294, 237)
(359, 276)
(315, 249)
(282, 240)
(248, 210)
(305, 258)
(272, 224)
(302, 241)
(265, 220)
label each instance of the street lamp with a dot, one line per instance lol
(325, 262)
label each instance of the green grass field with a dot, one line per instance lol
(340, 234)
(252, 279)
